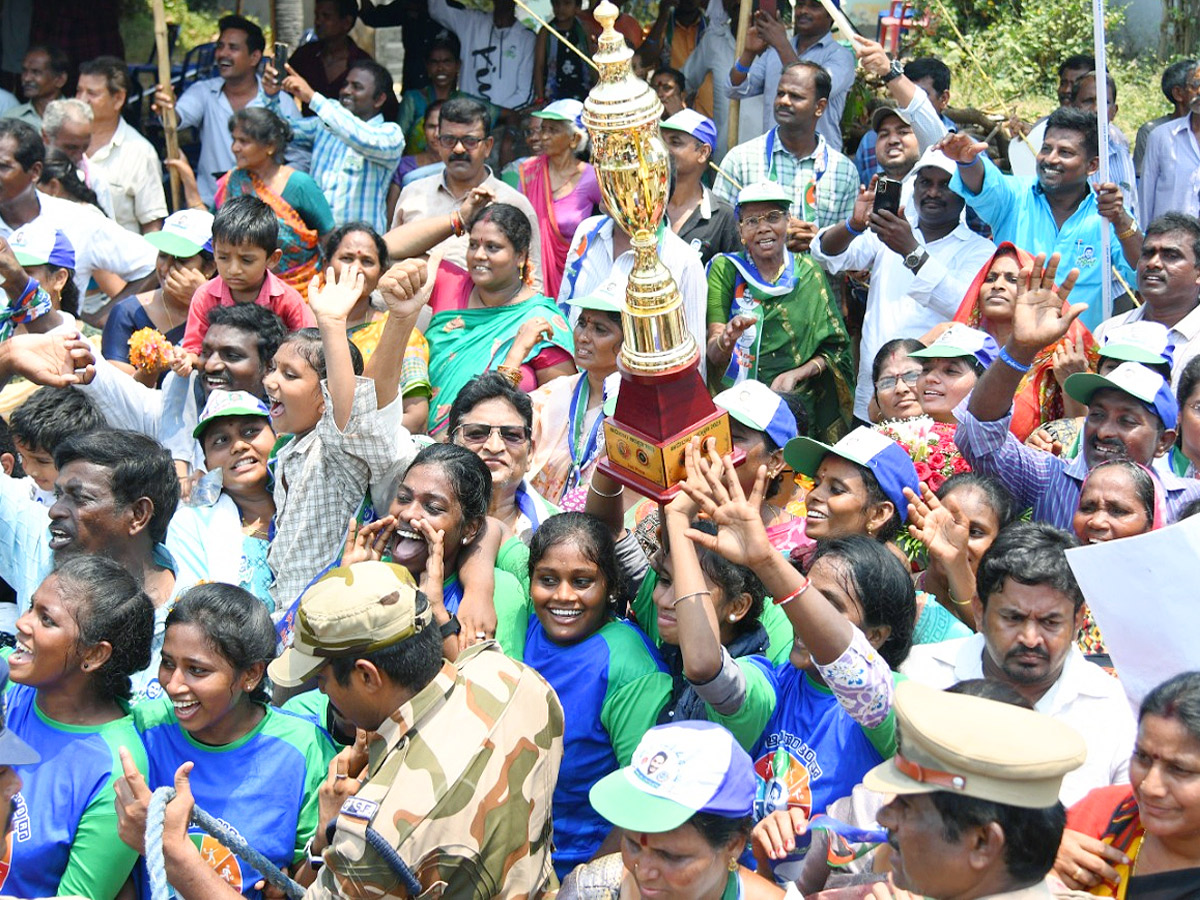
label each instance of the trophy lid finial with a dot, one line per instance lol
(606, 14)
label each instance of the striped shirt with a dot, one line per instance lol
(766, 159)
(353, 159)
(1046, 483)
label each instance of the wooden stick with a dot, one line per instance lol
(170, 134)
(562, 40)
(733, 124)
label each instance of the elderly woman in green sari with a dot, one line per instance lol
(773, 318)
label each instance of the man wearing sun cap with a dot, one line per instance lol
(976, 783)
(693, 212)
(882, 457)
(465, 757)
(1168, 282)
(1131, 413)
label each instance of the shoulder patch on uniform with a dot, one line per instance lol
(358, 808)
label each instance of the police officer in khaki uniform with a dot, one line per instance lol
(455, 798)
(976, 813)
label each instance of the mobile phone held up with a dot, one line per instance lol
(280, 62)
(887, 195)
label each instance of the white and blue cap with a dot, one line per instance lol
(38, 243)
(1143, 342)
(13, 750)
(1131, 378)
(701, 127)
(959, 341)
(756, 406)
(184, 233)
(889, 462)
(563, 111)
(678, 770)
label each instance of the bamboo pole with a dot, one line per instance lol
(735, 105)
(170, 134)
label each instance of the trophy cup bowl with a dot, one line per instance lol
(663, 402)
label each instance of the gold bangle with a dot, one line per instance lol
(950, 594)
(510, 373)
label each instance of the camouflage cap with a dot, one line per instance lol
(351, 611)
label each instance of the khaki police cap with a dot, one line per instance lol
(353, 610)
(977, 748)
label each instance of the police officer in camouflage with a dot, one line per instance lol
(451, 796)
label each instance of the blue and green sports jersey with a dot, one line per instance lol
(747, 723)
(64, 823)
(612, 686)
(813, 753)
(264, 785)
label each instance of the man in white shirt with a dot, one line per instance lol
(1029, 609)
(1171, 170)
(918, 275)
(497, 52)
(714, 55)
(768, 50)
(102, 247)
(1168, 281)
(601, 257)
(124, 160)
(466, 142)
(207, 105)
(67, 128)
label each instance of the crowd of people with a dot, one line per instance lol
(304, 509)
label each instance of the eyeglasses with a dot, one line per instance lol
(450, 141)
(476, 435)
(772, 218)
(889, 382)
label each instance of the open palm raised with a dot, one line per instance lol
(1040, 317)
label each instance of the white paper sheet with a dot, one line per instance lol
(1144, 592)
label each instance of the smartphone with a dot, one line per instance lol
(769, 6)
(887, 195)
(281, 58)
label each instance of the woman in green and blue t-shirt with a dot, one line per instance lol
(255, 767)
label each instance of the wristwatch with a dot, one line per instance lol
(451, 628)
(894, 72)
(916, 259)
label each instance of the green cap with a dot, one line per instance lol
(605, 299)
(763, 192)
(224, 404)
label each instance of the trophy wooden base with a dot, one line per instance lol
(669, 410)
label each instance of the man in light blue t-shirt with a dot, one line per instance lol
(1058, 212)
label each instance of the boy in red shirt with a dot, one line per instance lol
(245, 240)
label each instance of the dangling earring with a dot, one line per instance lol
(733, 864)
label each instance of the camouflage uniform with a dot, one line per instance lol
(460, 781)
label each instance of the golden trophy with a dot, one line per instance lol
(663, 402)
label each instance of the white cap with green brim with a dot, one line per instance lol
(561, 111)
(889, 462)
(606, 298)
(677, 771)
(763, 192)
(1141, 342)
(1131, 378)
(224, 404)
(959, 341)
(184, 233)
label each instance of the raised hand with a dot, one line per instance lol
(335, 298)
(368, 543)
(800, 234)
(1110, 203)
(961, 147)
(864, 205)
(771, 28)
(401, 286)
(1039, 319)
(435, 562)
(477, 198)
(295, 85)
(872, 55)
(741, 537)
(934, 526)
(894, 231)
(1070, 357)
